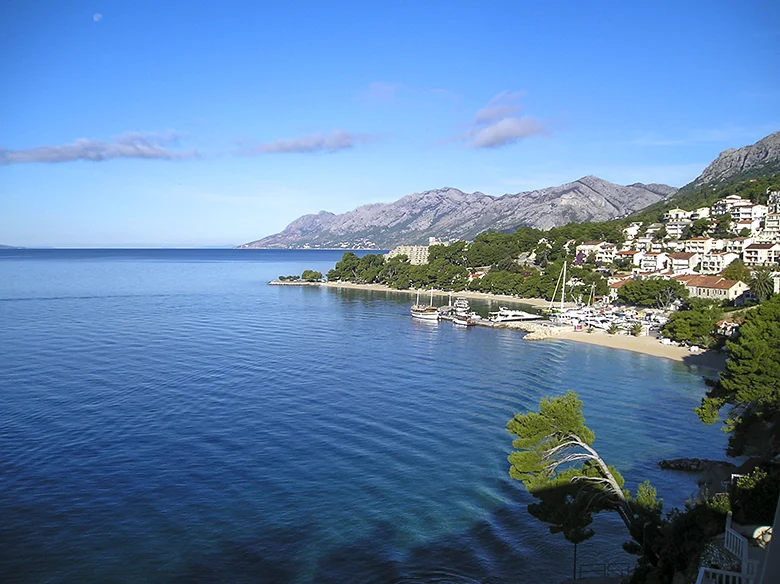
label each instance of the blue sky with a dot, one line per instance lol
(216, 123)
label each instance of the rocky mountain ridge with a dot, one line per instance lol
(450, 213)
(763, 156)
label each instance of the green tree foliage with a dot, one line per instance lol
(652, 292)
(553, 450)
(690, 197)
(555, 460)
(697, 229)
(755, 496)
(723, 227)
(737, 270)
(761, 284)
(311, 276)
(750, 384)
(696, 325)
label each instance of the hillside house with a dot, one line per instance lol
(752, 225)
(677, 215)
(676, 227)
(738, 244)
(727, 204)
(700, 245)
(654, 262)
(589, 247)
(759, 254)
(717, 261)
(748, 212)
(712, 287)
(631, 231)
(606, 253)
(683, 262)
(631, 254)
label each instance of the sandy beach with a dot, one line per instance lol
(712, 360)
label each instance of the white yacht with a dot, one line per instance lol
(504, 314)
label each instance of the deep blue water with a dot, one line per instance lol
(166, 416)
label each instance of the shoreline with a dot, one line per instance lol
(534, 302)
(646, 345)
(713, 360)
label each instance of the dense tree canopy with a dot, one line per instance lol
(737, 270)
(311, 275)
(652, 292)
(750, 384)
(696, 325)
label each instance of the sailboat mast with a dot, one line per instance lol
(563, 284)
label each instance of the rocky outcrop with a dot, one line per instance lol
(693, 464)
(449, 213)
(763, 156)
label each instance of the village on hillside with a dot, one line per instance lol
(692, 247)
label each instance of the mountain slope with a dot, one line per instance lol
(452, 214)
(760, 158)
(747, 172)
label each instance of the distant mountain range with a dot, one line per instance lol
(449, 213)
(452, 214)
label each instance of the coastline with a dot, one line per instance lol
(712, 360)
(471, 295)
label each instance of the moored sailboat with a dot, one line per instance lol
(425, 311)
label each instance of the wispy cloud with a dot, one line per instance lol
(130, 145)
(332, 142)
(503, 105)
(496, 124)
(382, 92)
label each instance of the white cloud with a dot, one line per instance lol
(97, 17)
(506, 131)
(332, 142)
(129, 145)
(496, 125)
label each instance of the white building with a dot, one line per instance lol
(738, 244)
(727, 204)
(683, 262)
(606, 254)
(676, 227)
(752, 225)
(654, 262)
(759, 254)
(631, 254)
(700, 245)
(417, 254)
(748, 212)
(717, 261)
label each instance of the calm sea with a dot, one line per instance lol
(166, 416)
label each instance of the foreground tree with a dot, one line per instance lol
(554, 451)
